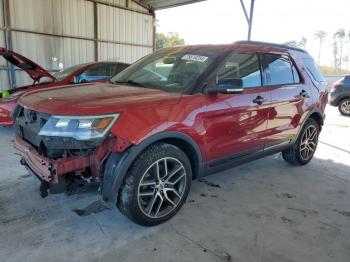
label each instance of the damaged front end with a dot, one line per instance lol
(58, 175)
(60, 162)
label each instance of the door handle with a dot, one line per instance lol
(259, 100)
(304, 93)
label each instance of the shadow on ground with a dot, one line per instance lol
(262, 211)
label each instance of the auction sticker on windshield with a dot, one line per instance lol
(197, 58)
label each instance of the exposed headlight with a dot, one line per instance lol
(78, 127)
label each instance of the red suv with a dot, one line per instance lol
(173, 116)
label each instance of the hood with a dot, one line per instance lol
(95, 99)
(32, 69)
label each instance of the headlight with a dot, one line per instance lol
(78, 127)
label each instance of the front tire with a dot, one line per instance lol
(305, 146)
(344, 107)
(156, 186)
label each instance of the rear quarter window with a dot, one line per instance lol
(313, 69)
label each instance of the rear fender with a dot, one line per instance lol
(308, 115)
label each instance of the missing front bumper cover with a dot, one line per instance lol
(53, 172)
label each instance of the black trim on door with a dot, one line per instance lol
(237, 159)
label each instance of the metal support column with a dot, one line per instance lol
(96, 31)
(8, 42)
(250, 17)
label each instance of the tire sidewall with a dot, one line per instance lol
(309, 122)
(339, 107)
(141, 164)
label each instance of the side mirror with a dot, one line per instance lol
(227, 86)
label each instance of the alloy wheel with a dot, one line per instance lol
(345, 107)
(161, 187)
(308, 143)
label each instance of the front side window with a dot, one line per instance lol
(62, 75)
(117, 68)
(243, 69)
(279, 70)
(98, 70)
(171, 70)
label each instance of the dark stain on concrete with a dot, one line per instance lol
(304, 212)
(208, 183)
(344, 213)
(285, 195)
(95, 207)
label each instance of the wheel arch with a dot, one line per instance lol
(118, 164)
(317, 117)
(315, 114)
(342, 98)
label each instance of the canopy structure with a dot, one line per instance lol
(162, 4)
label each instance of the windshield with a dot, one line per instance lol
(62, 75)
(171, 70)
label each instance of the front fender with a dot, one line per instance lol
(118, 164)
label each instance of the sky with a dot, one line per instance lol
(279, 21)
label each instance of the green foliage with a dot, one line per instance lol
(168, 40)
(329, 70)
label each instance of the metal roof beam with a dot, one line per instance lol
(163, 4)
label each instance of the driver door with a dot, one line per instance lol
(236, 123)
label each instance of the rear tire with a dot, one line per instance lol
(344, 107)
(305, 146)
(156, 186)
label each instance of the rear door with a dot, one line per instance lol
(284, 82)
(235, 124)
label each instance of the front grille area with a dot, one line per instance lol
(28, 124)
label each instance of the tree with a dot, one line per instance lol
(320, 35)
(335, 55)
(168, 40)
(301, 43)
(339, 40)
(292, 43)
(348, 57)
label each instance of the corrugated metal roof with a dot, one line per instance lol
(162, 4)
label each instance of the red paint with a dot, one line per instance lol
(221, 125)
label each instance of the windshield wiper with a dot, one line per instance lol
(130, 82)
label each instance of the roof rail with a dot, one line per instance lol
(271, 45)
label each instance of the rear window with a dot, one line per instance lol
(313, 69)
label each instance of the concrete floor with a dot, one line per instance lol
(263, 211)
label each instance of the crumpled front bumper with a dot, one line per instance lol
(53, 171)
